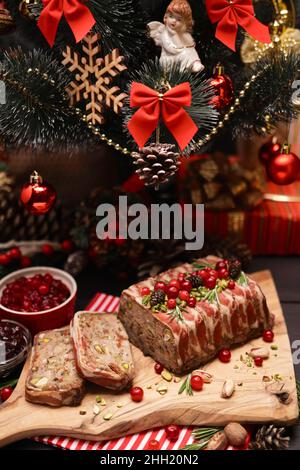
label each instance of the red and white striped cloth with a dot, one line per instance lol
(108, 303)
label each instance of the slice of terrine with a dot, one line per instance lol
(103, 353)
(184, 337)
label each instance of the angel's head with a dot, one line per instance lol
(179, 17)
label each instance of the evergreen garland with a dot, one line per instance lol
(37, 113)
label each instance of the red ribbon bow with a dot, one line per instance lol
(230, 14)
(169, 105)
(78, 16)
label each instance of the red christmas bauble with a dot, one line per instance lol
(37, 196)
(268, 150)
(223, 87)
(283, 168)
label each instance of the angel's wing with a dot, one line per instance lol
(155, 31)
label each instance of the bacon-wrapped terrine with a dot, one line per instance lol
(53, 379)
(103, 353)
(210, 306)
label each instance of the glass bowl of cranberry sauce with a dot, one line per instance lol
(15, 343)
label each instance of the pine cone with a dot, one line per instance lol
(235, 268)
(17, 224)
(270, 438)
(156, 163)
(157, 297)
(195, 280)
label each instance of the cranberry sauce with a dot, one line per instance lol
(34, 294)
(13, 340)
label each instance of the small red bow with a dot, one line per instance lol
(230, 14)
(169, 105)
(77, 15)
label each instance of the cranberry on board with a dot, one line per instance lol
(210, 283)
(158, 368)
(186, 285)
(160, 286)
(145, 291)
(192, 302)
(172, 432)
(174, 283)
(47, 249)
(268, 336)
(258, 361)
(137, 394)
(171, 304)
(153, 445)
(4, 259)
(231, 284)
(184, 295)
(196, 383)
(25, 262)
(15, 253)
(172, 292)
(5, 393)
(67, 245)
(225, 355)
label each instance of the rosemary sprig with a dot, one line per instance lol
(146, 299)
(202, 437)
(9, 383)
(176, 314)
(202, 265)
(242, 280)
(186, 386)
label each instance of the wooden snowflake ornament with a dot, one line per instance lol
(94, 75)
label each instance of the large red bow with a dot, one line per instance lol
(78, 16)
(169, 105)
(231, 13)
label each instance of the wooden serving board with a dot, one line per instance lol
(251, 403)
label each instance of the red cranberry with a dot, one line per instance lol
(192, 302)
(196, 383)
(258, 361)
(186, 285)
(225, 355)
(47, 249)
(67, 245)
(210, 283)
(171, 304)
(15, 253)
(174, 283)
(4, 259)
(6, 393)
(223, 274)
(172, 292)
(145, 291)
(48, 278)
(214, 273)
(25, 261)
(221, 265)
(231, 284)
(181, 277)
(153, 445)
(137, 394)
(268, 336)
(172, 432)
(160, 286)
(43, 289)
(203, 274)
(158, 368)
(184, 295)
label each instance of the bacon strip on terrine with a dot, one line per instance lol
(184, 339)
(53, 378)
(103, 352)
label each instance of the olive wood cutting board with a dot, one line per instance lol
(250, 403)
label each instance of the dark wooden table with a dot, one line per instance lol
(286, 272)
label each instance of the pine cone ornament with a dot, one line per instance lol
(7, 24)
(156, 163)
(157, 297)
(195, 280)
(270, 438)
(76, 262)
(235, 268)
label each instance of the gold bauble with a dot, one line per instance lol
(7, 24)
(29, 9)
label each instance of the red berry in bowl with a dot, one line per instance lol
(268, 336)
(158, 368)
(5, 393)
(258, 361)
(43, 289)
(223, 273)
(231, 284)
(225, 355)
(174, 283)
(192, 302)
(210, 283)
(145, 291)
(48, 278)
(172, 292)
(184, 295)
(137, 394)
(172, 432)
(186, 285)
(196, 383)
(160, 286)
(171, 304)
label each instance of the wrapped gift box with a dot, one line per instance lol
(273, 227)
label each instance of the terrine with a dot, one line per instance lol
(53, 378)
(230, 311)
(103, 353)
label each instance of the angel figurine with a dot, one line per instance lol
(175, 38)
